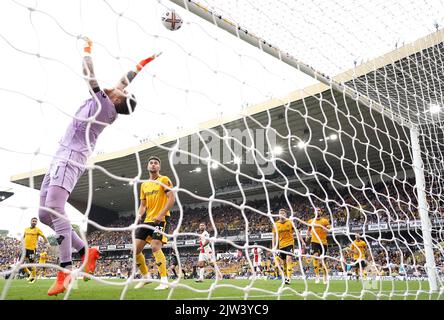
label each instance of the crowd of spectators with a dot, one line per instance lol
(379, 203)
(10, 249)
(385, 203)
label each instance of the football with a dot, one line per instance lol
(171, 20)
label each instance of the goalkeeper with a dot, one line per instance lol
(69, 162)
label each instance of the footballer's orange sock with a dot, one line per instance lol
(161, 262)
(141, 263)
(34, 272)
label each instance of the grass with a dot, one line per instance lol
(225, 289)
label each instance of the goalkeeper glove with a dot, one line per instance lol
(87, 46)
(144, 62)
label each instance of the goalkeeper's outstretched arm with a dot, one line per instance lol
(88, 68)
(130, 75)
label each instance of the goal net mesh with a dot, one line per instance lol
(315, 108)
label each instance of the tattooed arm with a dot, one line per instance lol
(126, 79)
(88, 68)
(130, 75)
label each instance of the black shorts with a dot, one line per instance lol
(147, 234)
(30, 255)
(318, 248)
(361, 264)
(283, 255)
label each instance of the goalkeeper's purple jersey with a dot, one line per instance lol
(69, 161)
(76, 133)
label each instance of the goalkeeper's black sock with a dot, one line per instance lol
(82, 252)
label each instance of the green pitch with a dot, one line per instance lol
(226, 289)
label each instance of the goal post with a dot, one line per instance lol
(424, 212)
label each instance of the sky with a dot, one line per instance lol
(203, 73)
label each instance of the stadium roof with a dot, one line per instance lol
(315, 111)
(5, 195)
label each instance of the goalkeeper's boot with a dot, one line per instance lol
(60, 285)
(31, 279)
(93, 255)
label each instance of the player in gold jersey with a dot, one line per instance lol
(317, 235)
(359, 250)
(31, 239)
(267, 265)
(284, 241)
(157, 198)
(42, 260)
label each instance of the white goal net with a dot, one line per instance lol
(324, 109)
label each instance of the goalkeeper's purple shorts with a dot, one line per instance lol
(65, 170)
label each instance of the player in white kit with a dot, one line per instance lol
(257, 259)
(206, 254)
